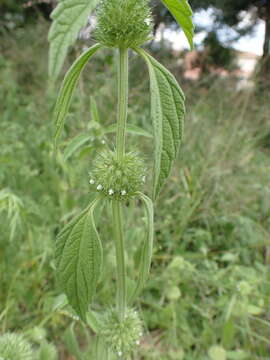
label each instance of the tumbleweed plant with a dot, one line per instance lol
(117, 176)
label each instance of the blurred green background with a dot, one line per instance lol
(209, 290)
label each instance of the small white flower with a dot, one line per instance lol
(143, 178)
(99, 187)
(91, 181)
(123, 192)
(120, 353)
(147, 21)
(137, 342)
(111, 192)
(103, 142)
(140, 334)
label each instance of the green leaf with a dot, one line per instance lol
(94, 111)
(71, 342)
(147, 247)
(67, 89)
(46, 352)
(132, 129)
(217, 353)
(254, 310)
(75, 144)
(78, 259)
(68, 18)
(93, 321)
(228, 334)
(182, 13)
(167, 112)
(238, 355)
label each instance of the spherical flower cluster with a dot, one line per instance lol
(15, 347)
(117, 179)
(122, 337)
(123, 23)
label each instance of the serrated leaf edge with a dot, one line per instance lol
(66, 232)
(68, 36)
(151, 64)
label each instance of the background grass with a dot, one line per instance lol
(208, 294)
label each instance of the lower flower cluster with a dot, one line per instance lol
(15, 347)
(122, 337)
(117, 179)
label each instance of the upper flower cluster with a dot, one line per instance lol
(118, 179)
(123, 23)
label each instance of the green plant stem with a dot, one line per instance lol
(120, 258)
(122, 78)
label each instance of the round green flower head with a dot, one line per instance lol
(123, 23)
(122, 337)
(15, 347)
(117, 179)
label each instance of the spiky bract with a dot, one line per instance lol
(15, 347)
(122, 337)
(118, 179)
(123, 23)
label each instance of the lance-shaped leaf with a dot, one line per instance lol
(71, 342)
(81, 139)
(167, 113)
(75, 144)
(79, 260)
(68, 18)
(147, 247)
(94, 111)
(67, 89)
(182, 13)
(131, 129)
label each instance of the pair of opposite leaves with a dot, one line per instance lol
(78, 246)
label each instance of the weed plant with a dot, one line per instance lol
(208, 292)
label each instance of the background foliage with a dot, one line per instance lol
(208, 295)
